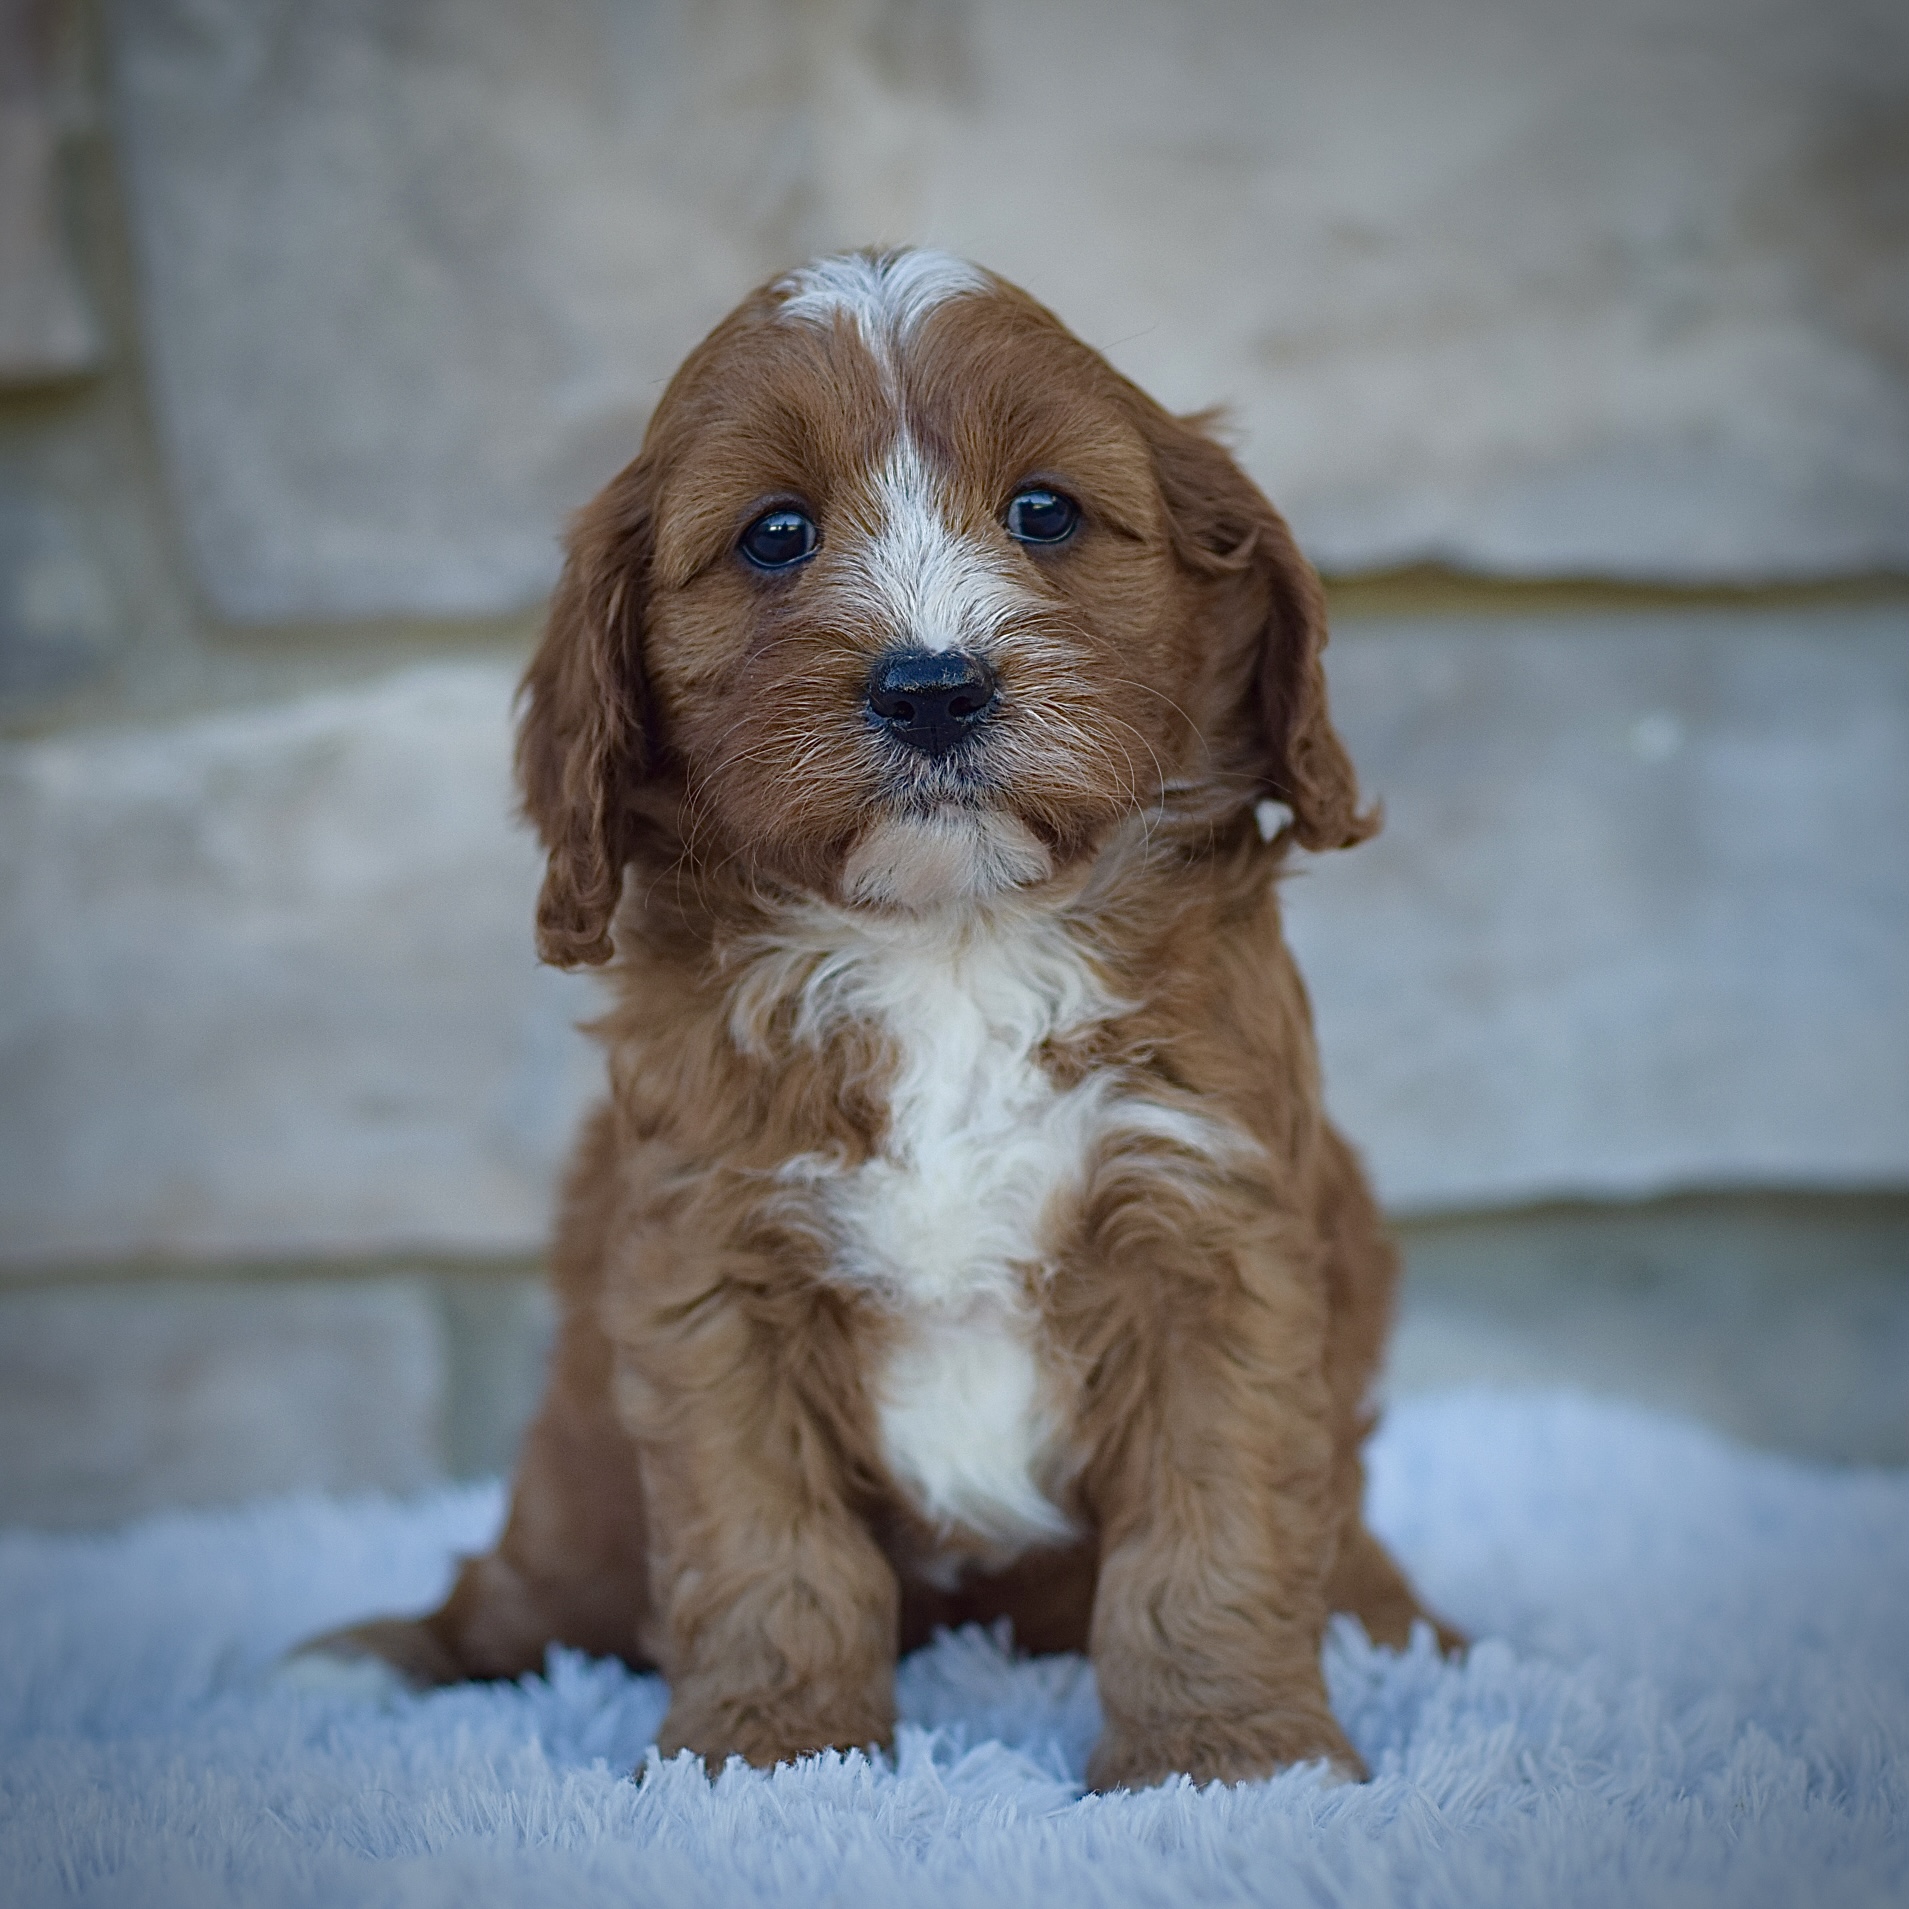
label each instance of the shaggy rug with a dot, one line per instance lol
(1691, 1687)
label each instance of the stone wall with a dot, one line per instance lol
(1574, 340)
(274, 993)
(1635, 924)
(1520, 285)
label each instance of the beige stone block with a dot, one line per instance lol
(122, 1399)
(1779, 1319)
(271, 988)
(1636, 922)
(412, 280)
(47, 331)
(1530, 288)
(1637, 918)
(498, 1331)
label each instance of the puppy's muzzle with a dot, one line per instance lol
(930, 700)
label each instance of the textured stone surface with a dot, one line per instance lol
(1783, 1320)
(59, 616)
(116, 1400)
(498, 1329)
(47, 331)
(1638, 915)
(270, 985)
(1534, 288)
(1780, 1320)
(90, 573)
(1636, 922)
(414, 272)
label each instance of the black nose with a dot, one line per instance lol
(930, 699)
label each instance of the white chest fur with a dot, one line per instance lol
(952, 1225)
(949, 1224)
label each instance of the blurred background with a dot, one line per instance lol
(1573, 335)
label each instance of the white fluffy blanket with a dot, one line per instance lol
(1691, 1687)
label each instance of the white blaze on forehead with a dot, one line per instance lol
(885, 296)
(925, 584)
(930, 586)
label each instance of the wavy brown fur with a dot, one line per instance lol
(706, 1488)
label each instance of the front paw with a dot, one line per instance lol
(765, 1731)
(1133, 1756)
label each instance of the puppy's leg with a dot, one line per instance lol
(1214, 1498)
(1361, 1267)
(569, 1568)
(776, 1613)
(1047, 1597)
(1367, 1584)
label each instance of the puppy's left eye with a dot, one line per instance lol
(780, 539)
(1042, 517)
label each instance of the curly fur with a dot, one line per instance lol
(963, 1236)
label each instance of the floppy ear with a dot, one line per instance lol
(583, 743)
(1223, 528)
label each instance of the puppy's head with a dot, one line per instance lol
(910, 599)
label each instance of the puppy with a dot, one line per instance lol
(963, 1236)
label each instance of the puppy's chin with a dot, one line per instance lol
(951, 854)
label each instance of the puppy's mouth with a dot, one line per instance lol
(966, 776)
(945, 830)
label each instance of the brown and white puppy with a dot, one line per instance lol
(963, 1236)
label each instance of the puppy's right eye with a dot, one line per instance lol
(1042, 517)
(780, 539)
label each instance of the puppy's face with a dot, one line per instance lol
(911, 599)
